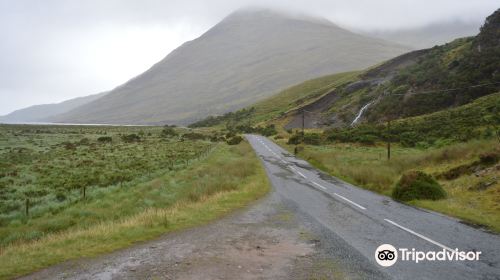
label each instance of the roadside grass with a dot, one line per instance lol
(229, 178)
(368, 167)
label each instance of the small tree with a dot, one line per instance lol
(168, 132)
(235, 140)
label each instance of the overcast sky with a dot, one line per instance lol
(54, 50)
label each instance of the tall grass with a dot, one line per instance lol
(229, 178)
(368, 167)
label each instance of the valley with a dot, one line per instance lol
(273, 146)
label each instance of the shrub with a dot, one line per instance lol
(131, 138)
(105, 139)
(269, 130)
(84, 141)
(417, 185)
(168, 131)
(489, 158)
(235, 140)
(60, 196)
(312, 138)
(367, 139)
(295, 139)
(193, 136)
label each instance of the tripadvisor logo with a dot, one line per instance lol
(386, 255)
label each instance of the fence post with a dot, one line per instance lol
(389, 140)
(27, 207)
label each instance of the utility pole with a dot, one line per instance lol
(389, 140)
(303, 123)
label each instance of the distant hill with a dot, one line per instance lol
(248, 56)
(41, 113)
(430, 35)
(413, 84)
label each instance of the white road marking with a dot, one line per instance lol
(350, 201)
(318, 185)
(303, 176)
(420, 235)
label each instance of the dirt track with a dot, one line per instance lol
(265, 241)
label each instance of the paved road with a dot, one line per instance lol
(365, 220)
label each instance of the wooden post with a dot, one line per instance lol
(303, 124)
(389, 140)
(27, 207)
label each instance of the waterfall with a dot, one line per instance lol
(360, 113)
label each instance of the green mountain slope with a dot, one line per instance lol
(417, 83)
(476, 120)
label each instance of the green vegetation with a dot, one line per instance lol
(417, 185)
(110, 217)
(235, 140)
(477, 120)
(44, 170)
(472, 196)
(457, 65)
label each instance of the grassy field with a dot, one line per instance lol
(201, 186)
(473, 197)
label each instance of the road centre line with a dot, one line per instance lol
(350, 201)
(363, 208)
(420, 235)
(318, 185)
(303, 176)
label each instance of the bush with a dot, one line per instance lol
(60, 196)
(295, 139)
(489, 158)
(269, 130)
(105, 139)
(193, 136)
(312, 138)
(235, 140)
(367, 139)
(131, 138)
(168, 131)
(417, 185)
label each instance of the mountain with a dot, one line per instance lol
(248, 56)
(414, 84)
(430, 35)
(41, 113)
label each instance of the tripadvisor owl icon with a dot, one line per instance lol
(386, 255)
